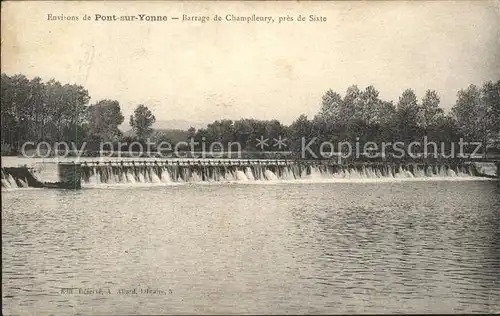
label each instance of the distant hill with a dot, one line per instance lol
(168, 125)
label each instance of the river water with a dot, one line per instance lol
(390, 247)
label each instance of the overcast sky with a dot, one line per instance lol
(205, 71)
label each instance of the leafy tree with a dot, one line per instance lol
(141, 121)
(104, 118)
(431, 113)
(368, 108)
(191, 132)
(490, 99)
(9, 110)
(301, 130)
(407, 116)
(52, 111)
(331, 107)
(351, 105)
(386, 112)
(244, 133)
(221, 131)
(469, 113)
(33, 110)
(160, 136)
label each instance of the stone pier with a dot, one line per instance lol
(70, 175)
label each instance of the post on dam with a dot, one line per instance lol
(70, 175)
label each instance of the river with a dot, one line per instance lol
(390, 247)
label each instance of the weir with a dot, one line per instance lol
(69, 175)
(21, 177)
(74, 175)
(242, 170)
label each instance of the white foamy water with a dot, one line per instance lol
(144, 175)
(269, 175)
(249, 174)
(241, 176)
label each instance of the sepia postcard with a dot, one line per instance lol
(250, 157)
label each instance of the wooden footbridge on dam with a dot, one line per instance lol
(71, 174)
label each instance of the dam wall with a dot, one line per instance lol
(75, 176)
(161, 172)
(70, 175)
(20, 177)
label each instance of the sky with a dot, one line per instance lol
(200, 72)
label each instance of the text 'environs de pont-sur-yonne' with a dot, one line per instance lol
(188, 18)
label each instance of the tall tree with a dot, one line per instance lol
(331, 105)
(407, 116)
(141, 121)
(490, 98)
(33, 110)
(244, 132)
(191, 132)
(469, 113)
(352, 104)
(368, 108)
(10, 109)
(386, 112)
(301, 130)
(431, 113)
(104, 118)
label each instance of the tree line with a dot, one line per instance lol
(362, 116)
(36, 111)
(33, 110)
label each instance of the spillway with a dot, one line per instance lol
(161, 173)
(155, 173)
